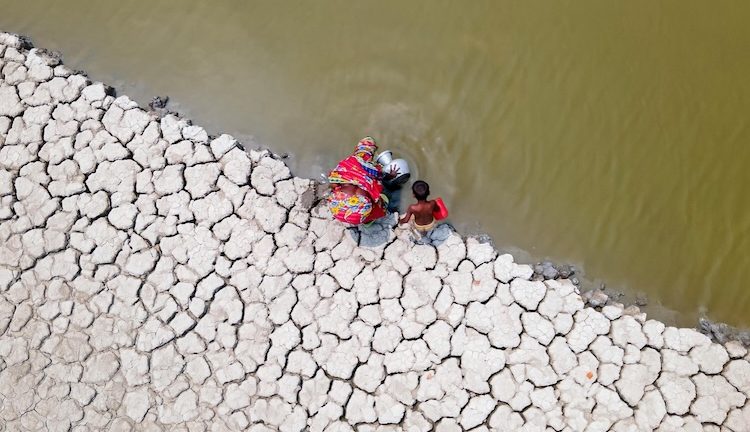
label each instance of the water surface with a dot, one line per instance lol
(609, 134)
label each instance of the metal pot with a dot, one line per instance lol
(385, 158)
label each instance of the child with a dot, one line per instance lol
(421, 213)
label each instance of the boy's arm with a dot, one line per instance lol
(406, 217)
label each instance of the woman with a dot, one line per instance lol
(356, 186)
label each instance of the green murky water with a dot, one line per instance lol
(609, 134)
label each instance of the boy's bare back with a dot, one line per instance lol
(422, 212)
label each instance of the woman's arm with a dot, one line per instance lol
(392, 174)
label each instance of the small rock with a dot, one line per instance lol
(596, 298)
(641, 300)
(158, 102)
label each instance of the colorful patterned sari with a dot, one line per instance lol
(359, 170)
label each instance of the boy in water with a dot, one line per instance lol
(420, 213)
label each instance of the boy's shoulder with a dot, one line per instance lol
(414, 207)
(423, 206)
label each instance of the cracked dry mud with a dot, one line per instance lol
(155, 278)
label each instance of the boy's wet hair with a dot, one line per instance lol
(421, 189)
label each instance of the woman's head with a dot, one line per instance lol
(420, 189)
